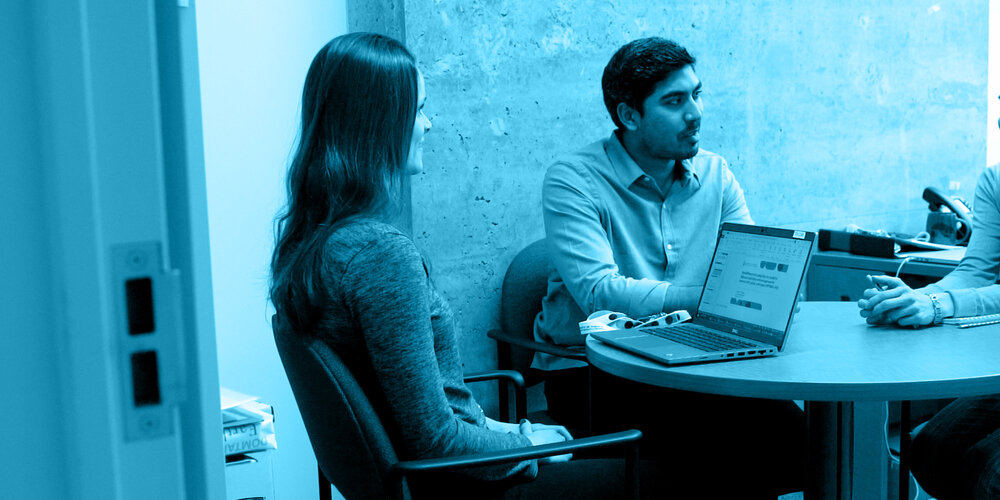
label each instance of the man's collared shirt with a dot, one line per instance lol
(618, 242)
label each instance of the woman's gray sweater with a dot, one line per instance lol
(398, 336)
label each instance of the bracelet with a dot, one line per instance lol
(936, 304)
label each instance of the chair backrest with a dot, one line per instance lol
(351, 445)
(524, 287)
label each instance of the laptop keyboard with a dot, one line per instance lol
(698, 337)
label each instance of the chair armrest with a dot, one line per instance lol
(533, 345)
(623, 438)
(512, 376)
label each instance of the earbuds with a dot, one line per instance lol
(610, 320)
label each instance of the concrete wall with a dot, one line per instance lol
(829, 113)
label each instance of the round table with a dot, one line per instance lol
(844, 369)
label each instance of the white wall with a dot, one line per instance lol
(253, 60)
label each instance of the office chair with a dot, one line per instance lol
(524, 287)
(353, 448)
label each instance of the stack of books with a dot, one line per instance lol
(247, 424)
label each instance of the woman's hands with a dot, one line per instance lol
(540, 434)
(898, 304)
(496, 425)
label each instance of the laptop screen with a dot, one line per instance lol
(754, 280)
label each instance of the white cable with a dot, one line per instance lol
(900, 268)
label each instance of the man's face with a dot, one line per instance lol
(669, 128)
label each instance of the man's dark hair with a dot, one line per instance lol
(636, 68)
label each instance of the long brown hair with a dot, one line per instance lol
(359, 104)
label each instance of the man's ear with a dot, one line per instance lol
(629, 116)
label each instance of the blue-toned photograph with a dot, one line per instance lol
(500, 249)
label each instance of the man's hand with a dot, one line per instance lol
(895, 304)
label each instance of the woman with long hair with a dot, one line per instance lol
(341, 272)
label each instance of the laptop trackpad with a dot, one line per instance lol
(659, 347)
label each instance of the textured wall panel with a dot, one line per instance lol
(829, 113)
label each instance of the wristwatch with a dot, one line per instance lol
(936, 304)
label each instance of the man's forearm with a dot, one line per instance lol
(681, 297)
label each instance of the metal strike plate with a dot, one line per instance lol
(148, 337)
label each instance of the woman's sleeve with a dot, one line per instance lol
(387, 289)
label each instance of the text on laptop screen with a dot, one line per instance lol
(754, 279)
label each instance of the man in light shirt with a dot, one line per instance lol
(631, 223)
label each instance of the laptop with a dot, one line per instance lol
(746, 305)
(951, 256)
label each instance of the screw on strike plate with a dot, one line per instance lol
(148, 424)
(136, 259)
